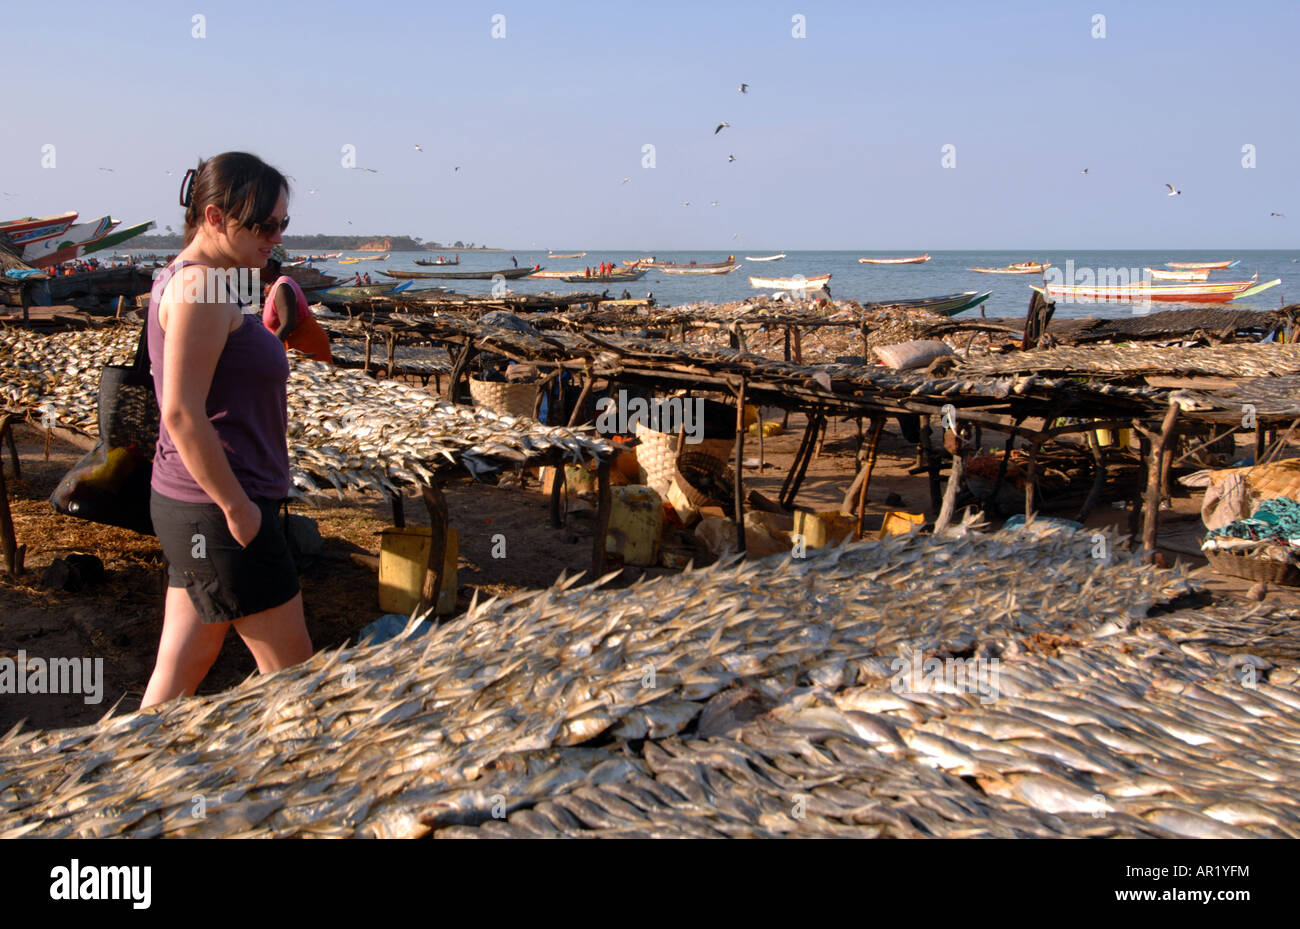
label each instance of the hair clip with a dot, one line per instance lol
(187, 187)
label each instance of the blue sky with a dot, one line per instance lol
(838, 145)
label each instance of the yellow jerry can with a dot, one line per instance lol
(403, 557)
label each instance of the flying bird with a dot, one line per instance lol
(686, 203)
(1084, 171)
(744, 88)
(169, 173)
(313, 191)
(106, 169)
(1282, 215)
(457, 167)
(627, 180)
(349, 222)
(730, 159)
(714, 203)
(721, 126)
(418, 149)
(1172, 191)
(735, 235)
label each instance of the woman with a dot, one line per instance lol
(286, 313)
(222, 462)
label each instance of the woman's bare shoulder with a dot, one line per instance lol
(191, 293)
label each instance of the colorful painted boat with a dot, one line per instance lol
(915, 260)
(48, 251)
(1206, 265)
(1190, 275)
(554, 275)
(1026, 267)
(1219, 292)
(37, 228)
(648, 262)
(730, 259)
(701, 269)
(437, 263)
(352, 261)
(116, 237)
(766, 257)
(567, 255)
(345, 291)
(790, 283)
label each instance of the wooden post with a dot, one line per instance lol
(7, 432)
(121, 304)
(877, 424)
(1260, 441)
(1031, 476)
(603, 505)
(950, 492)
(582, 399)
(13, 552)
(798, 346)
(1135, 512)
(762, 455)
(739, 504)
(557, 493)
(1098, 477)
(1151, 523)
(399, 511)
(433, 579)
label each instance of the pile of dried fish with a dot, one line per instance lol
(1248, 359)
(417, 360)
(346, 430)
(761, 698)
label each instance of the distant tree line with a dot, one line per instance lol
(324, 243)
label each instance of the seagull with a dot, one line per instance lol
(457, 167)
(627, 180)
(169, 173)
(1172, 191)
(1282, 215)
(744, 88)
(714, 203)
(736, 235)
(1084, 171)
(106, 169)
(349, 222)
(418, 149)
(686, 203)
(730, 159)
(721, 126)
(313, 190)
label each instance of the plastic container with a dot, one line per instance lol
(897, 522)
(1106, 437)
(403, 558)
(829, 527)
(636, 520)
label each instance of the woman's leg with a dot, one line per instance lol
(277, 637)
(186, 650)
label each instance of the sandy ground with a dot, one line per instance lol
(120, 619)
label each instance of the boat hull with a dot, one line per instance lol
(510, 274)
(1014, 269)
(726, 269)
(918, 259)
(52, 250)
(604, 279)
(36, 229)
(1188, 275)
(765, 257)
(1221, 292)
(1203, 265)
(790, 283)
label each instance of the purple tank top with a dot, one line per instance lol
(246, 405)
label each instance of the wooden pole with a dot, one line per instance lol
(1031, 478)
(13, 552)
(950, 492)
(433, 579)
(603, 505)
(581, 405)
(739, 503)
(877, 424)
(8, 434)
(1135, 511)
(1151, 523)
(1098, 476)
(557, 493)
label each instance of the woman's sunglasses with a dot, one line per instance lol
(268, 227)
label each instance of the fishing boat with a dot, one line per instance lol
(114, 237)
(648, 262)
(730, 259)
(914, 260)
(1190, 275)
(510, 274)
(634, 274)
(566, 255)
(776, 257)
(352, 261)
(437, 262)
(701, 269)
(1218, 292)
(1206, 265)
(790, 283)
(1025, 267)
(946, 305)
(81, 234)
(361, 290)
(37, 228)
(554, 275)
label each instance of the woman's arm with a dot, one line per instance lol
(196, 335)
(286, 312)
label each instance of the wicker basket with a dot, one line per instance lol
(656, 453)
(698, 469)
(504, 397)
(1282, 573)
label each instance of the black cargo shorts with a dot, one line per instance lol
(225, 580)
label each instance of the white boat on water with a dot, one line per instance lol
(790, 283)
(766, 258)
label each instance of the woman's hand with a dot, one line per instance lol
(244, 522)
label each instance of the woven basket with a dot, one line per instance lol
(504, 397)
(699, 468)
(656, 453)
(1282, 573)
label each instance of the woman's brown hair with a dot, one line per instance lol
(242, 186)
